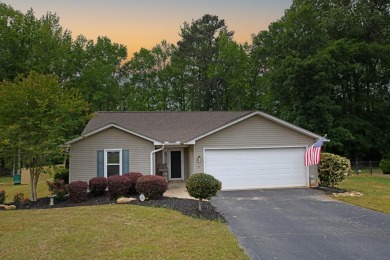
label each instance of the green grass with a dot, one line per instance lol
(7, 184)
(113, 232)
(375, 189)
(6, 180)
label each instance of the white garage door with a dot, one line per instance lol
(257, 168)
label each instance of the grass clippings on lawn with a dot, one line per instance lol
(113, 232)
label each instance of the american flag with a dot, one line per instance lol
(313, 153)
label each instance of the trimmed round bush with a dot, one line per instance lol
(153, 187)
(385, 166)
(97, 186)
(78, 191)
(118, 186)
(133, 176)
(333, 169)
(203, 186)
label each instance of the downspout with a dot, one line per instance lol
(151, 159)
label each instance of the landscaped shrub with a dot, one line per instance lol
(2, 196)
(333, 169)
(20, 200)
(97, 186)
(153, 187)
(78, 191)
(58, 188)
(385, 166)
(202, 186)
(62, 173)
(133, 176)
(118, 186)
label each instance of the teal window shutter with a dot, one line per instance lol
(100, 163)
(125, 161)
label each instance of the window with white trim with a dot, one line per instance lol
(112, 162)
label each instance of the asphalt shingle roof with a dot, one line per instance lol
(165, 126)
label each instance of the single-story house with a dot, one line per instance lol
(244, 150)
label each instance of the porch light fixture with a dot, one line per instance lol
(198, 160)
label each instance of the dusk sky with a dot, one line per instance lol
(137, 23)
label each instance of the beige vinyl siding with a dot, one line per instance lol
(255, 132)
(83, 154)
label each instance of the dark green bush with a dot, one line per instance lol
(153, 187)
(133, 177)
(333, 169)
(385, 166)
(97, 186)
(203, 186)
(118, 186)
(62, 173)
(78, 191)
(2, 196)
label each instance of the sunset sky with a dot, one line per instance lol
(144, 23)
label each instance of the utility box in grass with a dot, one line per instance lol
(17, 179)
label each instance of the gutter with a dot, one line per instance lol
(151, 159)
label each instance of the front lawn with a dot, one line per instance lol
(375, 189)
(7, 184)
(113, 231)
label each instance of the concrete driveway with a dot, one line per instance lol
(303, 224)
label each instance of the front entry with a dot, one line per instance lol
(175, 165)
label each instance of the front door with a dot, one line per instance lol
(175, 166)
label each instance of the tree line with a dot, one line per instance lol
(324, 66)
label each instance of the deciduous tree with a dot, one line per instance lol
(37, 117)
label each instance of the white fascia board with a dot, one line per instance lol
(262, 114)
(155, 142)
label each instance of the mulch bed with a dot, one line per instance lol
(330, 190)
(187, 207)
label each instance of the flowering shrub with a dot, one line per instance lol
(78, 191)
(2, 196)
(20, 200)
(133, 176)
(58, 188)
(97, 186)
(153, 187)
(118, 186)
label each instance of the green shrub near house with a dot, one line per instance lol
(152, 186)
(203, 186)
(333, 169)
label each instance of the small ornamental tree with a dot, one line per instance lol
(202, 186)
(37, 117)
(333, 169)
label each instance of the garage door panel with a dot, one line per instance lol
(256, 168)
